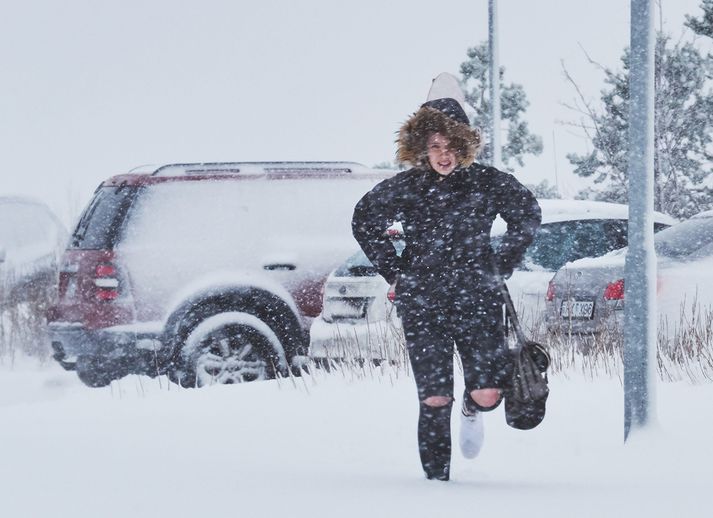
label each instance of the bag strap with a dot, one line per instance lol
(512, 314)
(510, 310)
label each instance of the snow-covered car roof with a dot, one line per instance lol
(554, 211)
(153, 174)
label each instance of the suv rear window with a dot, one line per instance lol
(102, 220)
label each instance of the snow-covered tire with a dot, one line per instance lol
(230, 347)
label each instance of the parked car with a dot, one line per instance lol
(587, 296)
(210, 273)
(31, 241)
(359, 320)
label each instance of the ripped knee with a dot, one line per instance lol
(437, 401)
(483, 400)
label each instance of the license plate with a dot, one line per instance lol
(346, 308)
(577, 308)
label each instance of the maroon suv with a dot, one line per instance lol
(210, 273)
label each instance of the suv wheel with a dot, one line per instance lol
(230, 347)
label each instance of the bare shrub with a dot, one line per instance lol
(684, 348)
(365, 356)
(23, 325)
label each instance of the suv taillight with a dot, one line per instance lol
(614, 290)
(550, 292)
(107, 281)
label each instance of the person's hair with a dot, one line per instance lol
(413, 138)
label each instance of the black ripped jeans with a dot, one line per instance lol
(435, 328)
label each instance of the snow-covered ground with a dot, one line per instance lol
(334, 445)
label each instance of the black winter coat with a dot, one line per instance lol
(447, 223)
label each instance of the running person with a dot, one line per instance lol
(446, 280)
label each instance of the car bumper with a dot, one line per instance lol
(71, 340)
(612, 322)
(344, 340)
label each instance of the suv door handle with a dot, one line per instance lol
(279, 266)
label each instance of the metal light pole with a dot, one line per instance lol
(494, 82)
(640, 272)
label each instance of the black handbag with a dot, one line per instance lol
(526, 398)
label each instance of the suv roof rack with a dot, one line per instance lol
(261, 168)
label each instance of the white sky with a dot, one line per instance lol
(93, 88)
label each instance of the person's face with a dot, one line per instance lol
(440, 156)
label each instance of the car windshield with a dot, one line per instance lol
(688, 238)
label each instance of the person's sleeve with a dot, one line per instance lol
(520, 210)
(373, 214)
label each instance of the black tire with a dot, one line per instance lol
(98, 372)
(227, 348)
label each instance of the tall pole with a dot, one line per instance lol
(494, 82)
(640, 271)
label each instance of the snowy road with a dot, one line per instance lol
(333, 447)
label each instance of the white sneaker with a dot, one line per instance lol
(472, 434)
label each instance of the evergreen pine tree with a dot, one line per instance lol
(544, 190)
(703, 25)
(513, 101)
(683, 133)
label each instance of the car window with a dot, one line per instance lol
(356, 266)
(8, 231)
(558, 243)
(30, 227)
(617, 232)
(101, 221)
(24, 224)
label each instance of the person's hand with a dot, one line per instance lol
(505, 267)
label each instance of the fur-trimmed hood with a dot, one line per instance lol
(444, 116)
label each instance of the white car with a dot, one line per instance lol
(359, 321)
(31, 241)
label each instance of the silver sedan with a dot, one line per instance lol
(587, 296)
